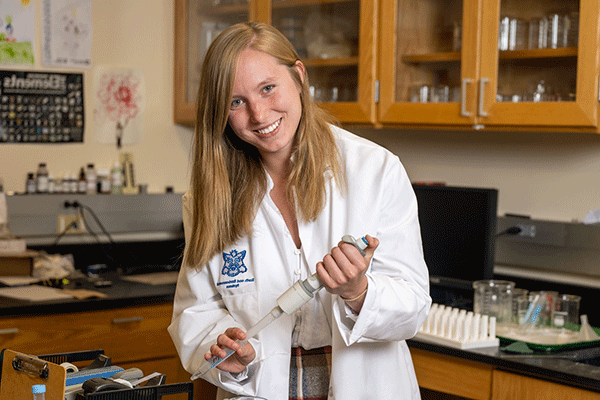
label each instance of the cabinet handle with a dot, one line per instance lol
(463, 97)
(127, 320)
(482, 83)
(9, 331)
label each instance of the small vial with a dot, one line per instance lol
(91, 179)
(30, 186)
(39, 392)
(81, 182)
(116, 184)
(51, 186)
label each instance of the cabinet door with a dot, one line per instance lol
(539, 63)
(197, 23)
(336, 41)
(428, 61)
(507, 386)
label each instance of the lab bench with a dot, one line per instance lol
(130, 325)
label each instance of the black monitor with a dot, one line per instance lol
(458, 228)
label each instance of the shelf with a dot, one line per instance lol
(331, 62)
(226, 9)
(539, 53)
(503, 55)
(304, 3)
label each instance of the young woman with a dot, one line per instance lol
(274, 187)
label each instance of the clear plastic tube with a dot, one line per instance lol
(214, 361)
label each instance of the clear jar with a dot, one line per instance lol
(538, 33)
(293, 29)
(494, 298)
(557, 31)
(513, 34)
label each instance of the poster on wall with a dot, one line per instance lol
(17, 32)
(67, 33)
(41, 107)
(119, 105)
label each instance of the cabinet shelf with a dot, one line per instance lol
(503, 55)
(304, 3)
(228, 9)
(331, 62)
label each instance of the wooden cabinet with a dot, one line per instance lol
(508, 386)
(449, 375)
(445, 377)
(435, 64)
(455, 45)
(132, 337)
(339, 52)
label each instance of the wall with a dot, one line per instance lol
(129, 33)
(547, 175)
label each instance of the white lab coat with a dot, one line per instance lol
(370, 359)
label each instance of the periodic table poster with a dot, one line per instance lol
(41, 107)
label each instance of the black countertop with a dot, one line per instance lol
(579, 368)
(120, 294)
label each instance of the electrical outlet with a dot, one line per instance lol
(72, 223)
(527, 230)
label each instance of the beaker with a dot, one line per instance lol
(565, 311)
(494, 298)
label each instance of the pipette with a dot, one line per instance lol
(289, 302)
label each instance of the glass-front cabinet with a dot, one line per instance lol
(334, 38)
(483, 64)
(197, 23)
(492, 63)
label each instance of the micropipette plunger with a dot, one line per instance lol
(289, 302)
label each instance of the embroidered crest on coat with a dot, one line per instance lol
(234, 263)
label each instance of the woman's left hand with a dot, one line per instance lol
(343, 270)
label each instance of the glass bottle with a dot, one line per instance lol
(90, 179)
(39, 392)
(41, 179)
(104, 181)
(30, 186)
(81, 182)
(116, 179)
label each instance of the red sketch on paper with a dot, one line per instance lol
(119, 100)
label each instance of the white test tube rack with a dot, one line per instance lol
(457, 328)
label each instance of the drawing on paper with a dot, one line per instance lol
(67, 33)
(119, 107)
(17, 30)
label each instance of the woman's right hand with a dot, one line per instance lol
(242, 356)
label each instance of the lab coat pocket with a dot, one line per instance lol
(243, 307)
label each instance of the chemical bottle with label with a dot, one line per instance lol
(41, 179)
(58, 185)
(116, 179)
(81, 182)
(91, 180)
(51, 186)
(30, 186)
(103, 181)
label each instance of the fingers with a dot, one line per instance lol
(342, 270)
(226, 340)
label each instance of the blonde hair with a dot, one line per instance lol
(228, 181)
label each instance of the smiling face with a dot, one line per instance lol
(265, 107)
